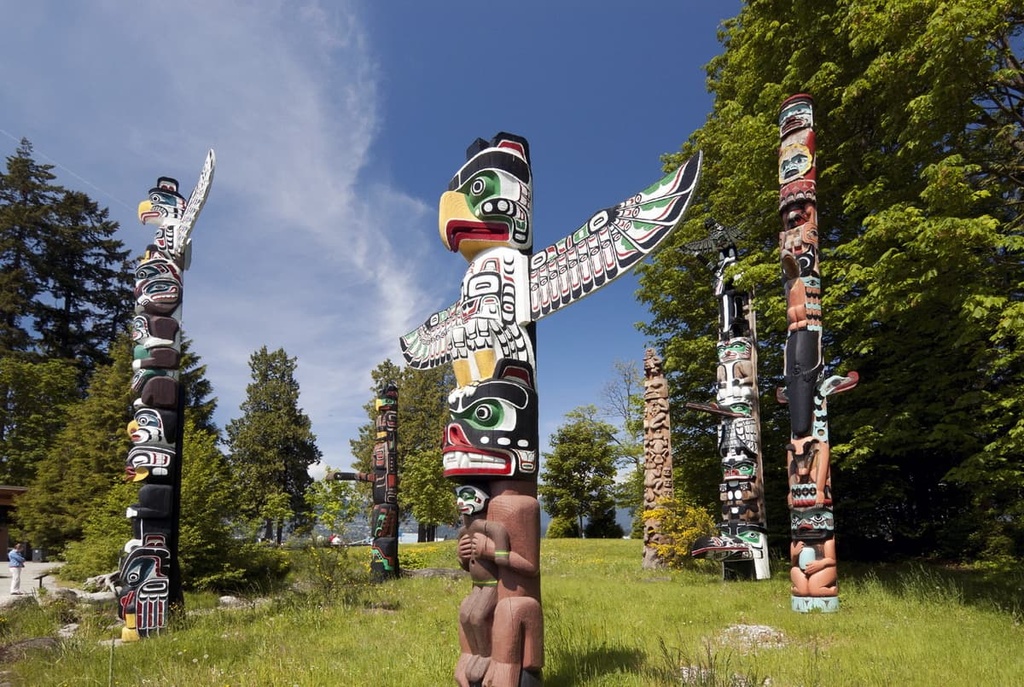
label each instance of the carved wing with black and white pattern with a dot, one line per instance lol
(427, 346)
(196, 201)
(611, 242)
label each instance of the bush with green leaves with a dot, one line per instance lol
(330, 572)
(563, 528)
(681, 524)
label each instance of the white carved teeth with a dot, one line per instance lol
(463, 459)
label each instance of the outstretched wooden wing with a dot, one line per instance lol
(611, 242)
(427, 346)
(196, 200)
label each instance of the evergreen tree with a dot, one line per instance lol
(27, 200)
(65, 285)
(272, 445)
(209, 555)
(919, 122)
(578, 478)
(423, 491)
(85, 294)
(200, 404)
(34, 398)
(86, 458)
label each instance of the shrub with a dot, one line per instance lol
(563, 528)
(681, 525)
(330, 573)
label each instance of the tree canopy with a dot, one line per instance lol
(919, 114)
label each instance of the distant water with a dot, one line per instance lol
(409, 537)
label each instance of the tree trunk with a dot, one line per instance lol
(426, 533)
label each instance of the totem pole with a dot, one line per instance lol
(742, 542)
(490, 445)
(657, 454)
(150, 577)
(813, 549)
(384, 517)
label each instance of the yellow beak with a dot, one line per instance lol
(145, 207)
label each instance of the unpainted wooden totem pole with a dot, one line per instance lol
(813, 548)
(490, 446)
(384, 478)
(657, 454)
(149, 583)
(742, 543)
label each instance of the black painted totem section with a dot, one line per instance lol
(150, 578)
(384, 517)
(741, 544)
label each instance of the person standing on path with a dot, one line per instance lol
(16, 560)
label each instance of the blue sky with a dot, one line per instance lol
(337, 126)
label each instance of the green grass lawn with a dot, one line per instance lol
(607, 623)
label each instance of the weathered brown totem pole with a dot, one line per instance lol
(150, 578)
(490, 444)
(384, 478)
(813, 548)
(742, 542)
(657, 454)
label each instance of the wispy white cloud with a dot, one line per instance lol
(296, 248)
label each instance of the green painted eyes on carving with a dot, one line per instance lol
(487, 414)
(484, 184)
(743, 408)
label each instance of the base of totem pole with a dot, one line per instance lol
(738, 571)
(808, 604)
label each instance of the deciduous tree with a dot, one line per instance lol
(579, 473)
(919, 122)
(623, 397)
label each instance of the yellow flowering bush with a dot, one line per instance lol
(681, 524)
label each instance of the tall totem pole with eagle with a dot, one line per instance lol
(149, 583)
(491, 444)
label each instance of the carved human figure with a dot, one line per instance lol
(482, 548)
(517, 651)
(813, 568)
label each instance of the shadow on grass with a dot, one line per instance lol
(986, 589)
(572, 669)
